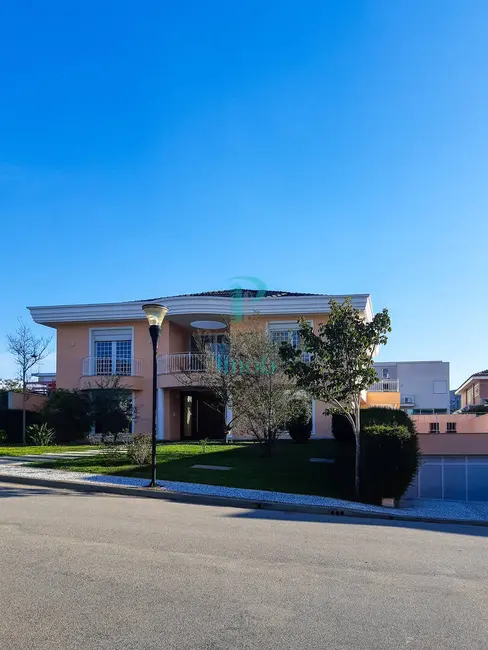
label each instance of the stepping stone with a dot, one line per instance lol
(321, 460)
(217, 467)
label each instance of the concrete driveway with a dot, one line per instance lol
(94, 571)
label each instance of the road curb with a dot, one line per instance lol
(233, 502)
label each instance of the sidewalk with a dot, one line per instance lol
(15, 470)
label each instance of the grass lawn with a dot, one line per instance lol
(19, 450)
(288, 470)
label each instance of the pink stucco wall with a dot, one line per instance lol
(33, 403)
(445, 444)
(465, 423)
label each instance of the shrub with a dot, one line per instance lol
(390, 458)
(68, 412)
(299, 425)
(11, 423)
(139, 450)
(111, 454)
(40, 434)
(3, 436)
(342, 430)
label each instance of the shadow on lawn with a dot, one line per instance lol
(276, 515)
(287, 470)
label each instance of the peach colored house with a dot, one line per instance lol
(112, 338)
(474, 390)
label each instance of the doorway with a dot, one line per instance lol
(201, 416)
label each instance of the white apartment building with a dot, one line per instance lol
(424, 385)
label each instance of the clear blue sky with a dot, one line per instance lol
(151, 148)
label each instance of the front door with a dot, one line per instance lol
(201, 416)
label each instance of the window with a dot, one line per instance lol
(451, 427)
(112, 351)
(476, 390)
(440, 387)
(280, 332)
(385, 373)
(433, 427)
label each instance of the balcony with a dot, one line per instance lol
(130, 370)
(171, 364)
(385, 386)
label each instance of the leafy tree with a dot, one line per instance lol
(10, 385)
(69, 413)
(28, 351)
(339, 366)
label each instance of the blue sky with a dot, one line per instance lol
(152, 148)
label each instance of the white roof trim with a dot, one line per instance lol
(130, 311)
(469, 381)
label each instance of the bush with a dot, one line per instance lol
(111, 454)
(342, 430)
(40, 434)
(299, 425)
(3, 436)
(68, 412)
(11, 423)
(139, 450)
(390, 458)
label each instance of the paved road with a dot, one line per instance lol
(85, 571)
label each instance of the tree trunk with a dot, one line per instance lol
(357, 464)
(24, 428)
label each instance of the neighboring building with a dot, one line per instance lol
(423, 385)
(105, 339)
(455, 401)
(474, 391)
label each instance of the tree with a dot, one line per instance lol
(111, 406)
(339, 366)
(69, 413)
(11, 385)
(28, 351)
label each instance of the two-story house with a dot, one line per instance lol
(100, 340)
(474, 391)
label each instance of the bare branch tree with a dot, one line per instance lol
(28, 351)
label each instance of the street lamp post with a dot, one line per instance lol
(155, 314)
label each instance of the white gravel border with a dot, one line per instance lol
(459, 510)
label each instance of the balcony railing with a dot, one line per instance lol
(104, 366)
(169, 364)
(385, 386)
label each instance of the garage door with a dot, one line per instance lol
(463, 478)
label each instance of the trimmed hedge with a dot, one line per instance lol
(390, 457)
(11, 423)
(300, 425)
(342, 430)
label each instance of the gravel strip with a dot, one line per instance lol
(472, 511)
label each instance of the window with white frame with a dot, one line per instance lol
(385, 373)
(476, 390)
(451, 427)
(433, 427)
(112, 351)
(288, 332)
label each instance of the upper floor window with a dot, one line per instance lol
(288, 332)
(112, 351)
(385, 373)
(440, 387)
(433, 427)
(476, 390)
(451, 427)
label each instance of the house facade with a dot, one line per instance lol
(99, 341)
(423, 385)
(474, 391)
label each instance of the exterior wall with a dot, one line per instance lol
(468, 444)
(35, 402)
(323, 423)
(387, 398)
(465, 423)
(417, 379)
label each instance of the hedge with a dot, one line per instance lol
(342, 430)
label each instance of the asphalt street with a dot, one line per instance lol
(90, 571)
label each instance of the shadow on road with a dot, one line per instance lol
(459, 529)
(15, 490)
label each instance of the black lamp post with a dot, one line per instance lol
(155, 314)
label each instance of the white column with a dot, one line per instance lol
(313, 417)
(160, 414)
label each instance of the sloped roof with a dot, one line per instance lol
(241, 293)
(477, 375)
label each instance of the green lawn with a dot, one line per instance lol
(288, 470)
(29, 450)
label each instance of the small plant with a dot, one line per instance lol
(3, 436)
(203, 442)
(139, 450)
(40, 434)
(111, 453)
